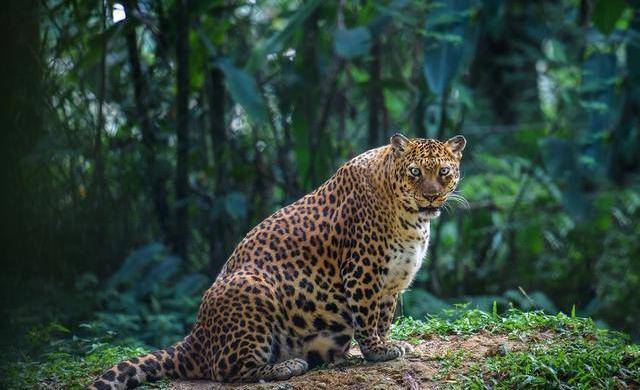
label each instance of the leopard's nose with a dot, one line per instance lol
(430, 197)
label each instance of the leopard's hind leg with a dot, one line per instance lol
(251, 343)
(251, 356)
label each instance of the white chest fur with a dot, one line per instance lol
(406, 259)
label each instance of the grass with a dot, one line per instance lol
(63, 369)
(580, 363)
(450, 361)
(580, 355)
(461, 321)
(59, 360)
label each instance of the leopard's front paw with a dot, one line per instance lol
(382, 352)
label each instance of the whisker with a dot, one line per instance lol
(456, 201)
(459, 199)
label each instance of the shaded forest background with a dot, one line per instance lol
(142, 139)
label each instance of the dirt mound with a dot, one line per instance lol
(430, 364)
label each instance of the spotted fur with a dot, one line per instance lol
(314, 275)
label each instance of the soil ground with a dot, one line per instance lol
(430, 364)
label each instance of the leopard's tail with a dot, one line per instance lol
(182, 360)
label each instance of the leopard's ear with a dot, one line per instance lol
(399, 144)
(457, 144)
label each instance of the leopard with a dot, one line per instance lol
(315, 275)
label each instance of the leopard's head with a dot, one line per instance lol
(426, 172)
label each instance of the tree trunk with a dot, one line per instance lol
(375, 97)
(443, 116)
(420, 129)
(21, 108)
(182, 105)
(261, 186)
(218, 233)
(311, 98)
(99, 181)
(292, 185)
(156, 181)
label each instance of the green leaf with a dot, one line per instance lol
(560, 158)
(197, 61)
(244, 90)
(235, 204)
(602, 104)
(274, 43)
(94, 52)
(301, 146)
(394, 11)
(606, 13)
(351, 43)
(633, 62)
(445, 45)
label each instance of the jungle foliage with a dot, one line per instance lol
(144, 138)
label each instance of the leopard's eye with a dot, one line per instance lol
(414, 171)
(444, 171)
